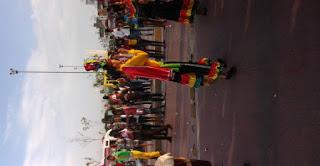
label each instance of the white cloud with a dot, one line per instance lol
(8, 128)
(52, 105)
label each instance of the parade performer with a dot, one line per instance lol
(123, 155)
(176, 10)
(192, 74)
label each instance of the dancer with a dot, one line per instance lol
(182, 11)
(202, 73)
(188, 73)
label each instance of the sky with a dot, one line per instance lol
(40, 113)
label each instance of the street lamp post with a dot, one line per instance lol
(15, 72)
(70, 66)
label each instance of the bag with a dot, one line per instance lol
(165, 160)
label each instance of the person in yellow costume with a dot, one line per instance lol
(139, 58)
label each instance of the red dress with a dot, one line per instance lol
(163, 74)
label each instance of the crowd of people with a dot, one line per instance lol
(134, 115)
(134, 112)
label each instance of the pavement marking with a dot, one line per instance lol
(225, 95)
(294, 12)
(233, 135)
(197, 126)
(248, 16)
(193, 103)
(194, 150)
(212, 159)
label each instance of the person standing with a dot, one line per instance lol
(119, 32)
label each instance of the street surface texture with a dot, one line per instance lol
(269, 112)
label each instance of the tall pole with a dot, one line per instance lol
(70, 66)
(14, 72)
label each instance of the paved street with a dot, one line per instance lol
(269, 113)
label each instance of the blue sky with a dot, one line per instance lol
(40, 113)
(16, 42)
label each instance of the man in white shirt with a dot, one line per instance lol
(121, 32)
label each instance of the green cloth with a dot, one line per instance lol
(122, 156)
(174, 66)
(170, 65)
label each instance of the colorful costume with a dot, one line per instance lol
(186, 73)
(176, 10)
(190, 74)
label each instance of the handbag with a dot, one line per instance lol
(165, 160)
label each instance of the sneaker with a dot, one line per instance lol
(222, 62)
(202, 11)
(230, 72)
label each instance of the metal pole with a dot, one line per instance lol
(73, 66)
(14, 72)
